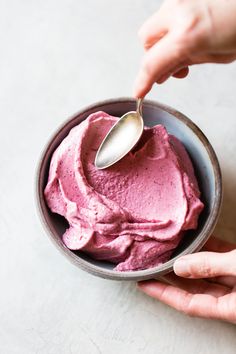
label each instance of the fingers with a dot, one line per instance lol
(201, 305)
(212, 58)
(216, 245)
(154, 28)
(228, 281)
(181, 300)
(181, 73)
(160, 61)
(206, 265)
(197, 286)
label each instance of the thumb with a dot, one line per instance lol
(206, 265)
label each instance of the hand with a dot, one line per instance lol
(183, 33)
(214, 296)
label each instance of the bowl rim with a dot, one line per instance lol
(166, 267)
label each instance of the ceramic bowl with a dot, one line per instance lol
(206, 167)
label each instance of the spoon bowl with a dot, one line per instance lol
(121, 138)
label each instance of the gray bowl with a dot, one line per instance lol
(206, 166)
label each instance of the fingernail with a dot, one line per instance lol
(181, 267)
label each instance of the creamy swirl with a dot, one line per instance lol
(133, 213)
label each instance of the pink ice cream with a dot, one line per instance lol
(133, 213)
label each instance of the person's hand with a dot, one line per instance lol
(183, 33)
(214, 296)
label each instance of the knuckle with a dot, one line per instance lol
(203, 268)
(191, 30)
(188, 308)
(190, 22)
(184, 42)
(180, 44)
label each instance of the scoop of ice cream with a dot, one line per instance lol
(133, 213)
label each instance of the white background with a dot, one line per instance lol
(56, 57)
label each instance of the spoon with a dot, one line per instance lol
(121, 138)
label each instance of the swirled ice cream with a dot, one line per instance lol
(133, 213)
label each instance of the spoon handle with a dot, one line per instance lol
(139, 106)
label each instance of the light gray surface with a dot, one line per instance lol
(56, 57)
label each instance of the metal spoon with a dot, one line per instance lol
(121, 138)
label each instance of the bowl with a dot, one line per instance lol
(206, 167)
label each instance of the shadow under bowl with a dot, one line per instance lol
(206, 167)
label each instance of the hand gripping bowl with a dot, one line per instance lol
(206, 167)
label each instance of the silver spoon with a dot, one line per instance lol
(121, 138)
